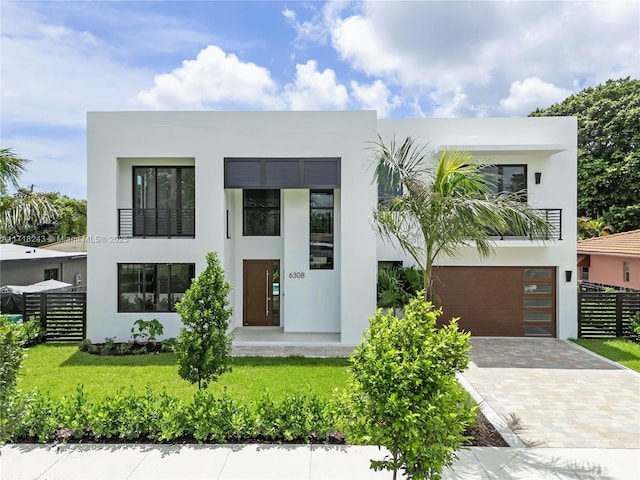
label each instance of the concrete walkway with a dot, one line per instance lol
(312, 462)
(562, 395)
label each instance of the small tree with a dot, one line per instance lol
(403, 393)
(203, 346)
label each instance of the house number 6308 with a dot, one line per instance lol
(296, 275)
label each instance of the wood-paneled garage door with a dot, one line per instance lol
(499, 301)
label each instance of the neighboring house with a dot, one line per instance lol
(76, 244)
(20, 265)
(286, 198)
(611, 261)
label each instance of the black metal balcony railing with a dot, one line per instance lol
(156, 222)
(552, 215)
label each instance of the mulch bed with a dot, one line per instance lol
(484, 434)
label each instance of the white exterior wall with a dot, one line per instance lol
(118, 140)
(545, 145)
(338, 300)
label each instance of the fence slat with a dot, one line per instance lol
(607, 314)
(63, 315)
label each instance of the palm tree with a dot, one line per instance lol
(24, 207)
(439, 211)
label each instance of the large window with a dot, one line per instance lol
(506, 178)
(164, 201)
(152, 287)
(321, 229)
(261, 213)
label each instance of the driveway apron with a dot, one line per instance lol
(560, 394)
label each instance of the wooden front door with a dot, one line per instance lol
(258, 292)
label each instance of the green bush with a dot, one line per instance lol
(144, 331)
(131, 416)
(635, 325)
(218, 419)
(109, 345)
(11, 355)
(398, 285)
(403, 393)
(39, 420)
(32, 332)
(300, 417)
(73, 414)
(203, 346)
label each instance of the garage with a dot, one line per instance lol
(499, 301)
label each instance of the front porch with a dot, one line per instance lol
(275, 342)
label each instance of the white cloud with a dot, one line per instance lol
(314, 90)
(310, 29)
(357, 42)
(318, 27)
(479, 49)
(213, 78)
(375, 97)
(531, 93)
(54, 74)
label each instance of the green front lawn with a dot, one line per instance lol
(59, 369)
(625, 352)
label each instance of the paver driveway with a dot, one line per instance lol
(562, 395)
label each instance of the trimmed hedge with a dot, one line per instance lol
(159, 417)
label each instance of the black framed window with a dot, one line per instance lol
(261, 213)
(506, 178)
(152, 287)
(164, 201)
(321, 222)
(51, 274)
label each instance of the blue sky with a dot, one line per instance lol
(60, 59)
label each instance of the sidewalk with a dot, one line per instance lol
(312, 462)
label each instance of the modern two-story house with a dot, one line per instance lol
(286, 198)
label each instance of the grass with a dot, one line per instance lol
(625, 352)
(60, 369)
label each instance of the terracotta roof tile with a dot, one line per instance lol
(626, 243)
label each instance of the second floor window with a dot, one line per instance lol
(321, 229)
(506, 178)
(164, 201)
(261, 215)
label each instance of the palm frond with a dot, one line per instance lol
(443, 210)
(11, 167)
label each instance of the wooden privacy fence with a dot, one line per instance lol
(63, 315)
(606, 314)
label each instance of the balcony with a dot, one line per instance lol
(156, 222)
(552, 215)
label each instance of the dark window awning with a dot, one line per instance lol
(270, 173)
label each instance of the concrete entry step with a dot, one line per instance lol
(275, 342)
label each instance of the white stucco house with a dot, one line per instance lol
(285, 198)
